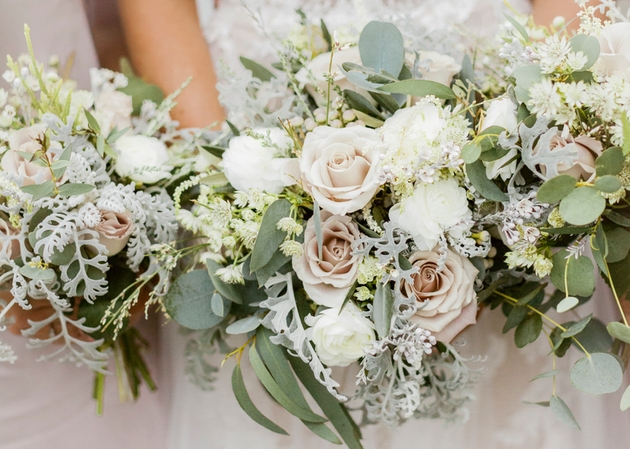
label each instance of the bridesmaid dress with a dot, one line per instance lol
(48, 404)
(498, 417)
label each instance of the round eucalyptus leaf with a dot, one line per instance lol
(610, 162)
(35, 273)
(599, 373)
(582, 206)
(471, 152)
(608, 183)
(619, 331)
(567, 304)
(625, 400)
(555, 189)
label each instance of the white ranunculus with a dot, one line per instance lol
(251, 162)
(313, 76)
(328, 279)
(614, 56)
(339, 167)
(340, 337)
(438, 67)
(501, 113)
(142, 159)
(431, 211)
(113, 110)
(446, 297)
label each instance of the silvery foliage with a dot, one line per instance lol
(6, 351)
(251, 102)
(401, 378)
(199, 347)
(283, 319)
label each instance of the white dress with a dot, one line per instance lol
(48, 404)
(498, 417)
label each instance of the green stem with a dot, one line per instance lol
(99, 392)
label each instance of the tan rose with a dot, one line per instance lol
(25, 140)
(9, 246)
(114, 110)
(328, 279)
(587, 149)
(114, 230)
(338, 167)
(447, 300)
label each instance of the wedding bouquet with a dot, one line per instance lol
(84, 210)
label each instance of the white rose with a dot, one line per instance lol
(432, 210)
(340, 337)
(438, 67)
(142, 159)
(113, 110)
(614, 56)
(328, 279)
(498, 167)
(501, 113)
(316, 71)
(252, 163)
(446, 297)
(339, 167)
(26, 140)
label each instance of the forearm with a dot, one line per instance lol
(544, 11)
(166, 47)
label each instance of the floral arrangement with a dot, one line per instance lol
(84, 211)
(371, 195)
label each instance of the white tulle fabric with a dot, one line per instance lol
(48, 404)
(498, 417)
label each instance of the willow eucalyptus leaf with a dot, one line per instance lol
(269, 236)
(561, 410)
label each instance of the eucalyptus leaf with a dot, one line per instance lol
(599, 373)
(277, 261)
(269, 236)
(214, 150)
(386, 101)
(188, 301)
(216, 303)
(243, 325)
(619, 331)
(608, 183)
(92, 122)
(555, 189)
(420, 88)
(37, 274)
(576, 328)
(40, 191)
(617, 218)
(516, 317)
(139, 90)
(561, 410)
(518, 27)
(383, 309)
(594, 337)
(625, 126)
(580, 274)
(229, 291)
(70, 189)
(477, 174)
(359, 103)
(618, 245)
(547, 374)
(567, 304)
(625, 400)
(526, 76)
(257, 70)
(610, 162)
(471, 152)
(382, 48)
(588, 45)
(528, 330)
(582, 206)
(243, 399)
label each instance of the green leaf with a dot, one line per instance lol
(619, 331)
(278, 260)
(555, 189)
(561, 410)
(139, 91)
(608, 183)
(576, 328)
(518, 27)
(243, 399)
(580, 275)
(595, 337)
(59, 164)
(599, 246)
(40, 191)
(582, 206)
(516, 317)
(610, 162)
(317, 222)
(383, 309)
(38, 274)
(269, 237)
(359, 103)
(229, 291)
(386, 101)
(625, 400)
(477, 174)
(257, 70)
(216, 304)
(244, 325)
(335, 411)
(560, 345)
(189, 301)
(588, 45)
(547, 374)
(526, 76)
(625, 126)
(600, 373)
(70, 189)
(471, 152)
(531, 295)
(617, 218)
(382, 48)
(420, 88)
(567, 304)
(214, 150)
(619, 276)
(528, 331)
(326, 34)
(92, 122)
(572, 230)
(277, 392)
(618, 245)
